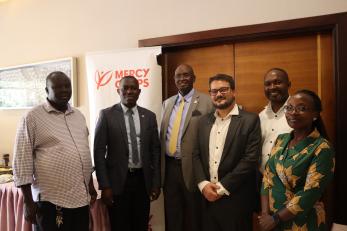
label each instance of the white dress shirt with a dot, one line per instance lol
(272, 125)
(216, 145)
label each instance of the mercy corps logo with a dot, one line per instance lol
(103, 78)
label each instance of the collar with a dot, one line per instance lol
(269, 110)
(304, 143)
(49, 108)
(234, 111)
(125, 108)
(314, 134)
(187, 98)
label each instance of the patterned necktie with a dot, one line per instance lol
(135, 151)
(176, 128)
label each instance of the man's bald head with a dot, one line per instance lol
(58, 89)
(184, 78)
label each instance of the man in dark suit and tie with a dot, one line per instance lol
(181, 114)
(226, 158)
(127, 159)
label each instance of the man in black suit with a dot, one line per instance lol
(226, 158)
(127, 159)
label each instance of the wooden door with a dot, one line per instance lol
(309, 63)
(307, 59)
(206, 62)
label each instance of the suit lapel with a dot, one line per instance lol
(121, 121)
(166, 116)
(193, 104)
(231, 135)
(206, 137)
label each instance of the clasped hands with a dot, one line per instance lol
(266, 222)
(210, 192)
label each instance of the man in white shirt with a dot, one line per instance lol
(225, 160)
(272, 119)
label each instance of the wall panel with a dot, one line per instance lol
(206, 61)
(297, 55)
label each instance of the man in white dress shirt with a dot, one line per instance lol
(272, 119)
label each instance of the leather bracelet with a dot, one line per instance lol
(276, 218)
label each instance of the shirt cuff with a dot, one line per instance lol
(202, 185)
(22, 180)
(222, 191)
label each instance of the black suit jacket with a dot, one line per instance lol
(238, 163)
(111, 151)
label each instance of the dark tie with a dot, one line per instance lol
(135, 151)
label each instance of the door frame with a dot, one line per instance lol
(336, 24)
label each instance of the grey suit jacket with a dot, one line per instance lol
(200, 105)
(238, 163)
(111, 152)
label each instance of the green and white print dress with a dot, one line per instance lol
(296, 178)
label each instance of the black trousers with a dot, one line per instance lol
(130, 210)
(218, 222)
(73, 219)
(182, 208)
(217, 216)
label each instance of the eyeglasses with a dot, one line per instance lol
(222, 90)
(298, 109)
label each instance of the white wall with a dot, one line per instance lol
(37, 30)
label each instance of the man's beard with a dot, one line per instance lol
(225, 105)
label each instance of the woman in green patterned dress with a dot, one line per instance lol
(299, 169)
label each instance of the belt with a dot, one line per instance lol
(173, 158)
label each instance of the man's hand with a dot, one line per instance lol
(210, 192)
(154, 194)
(30, 207)
(30, 211)
(107, 196)
(92, 192)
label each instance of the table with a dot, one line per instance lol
(12, 217)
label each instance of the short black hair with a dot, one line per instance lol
(190, 68)
(129, 77)
(223, 77)
(285, 74)
(53, 75)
